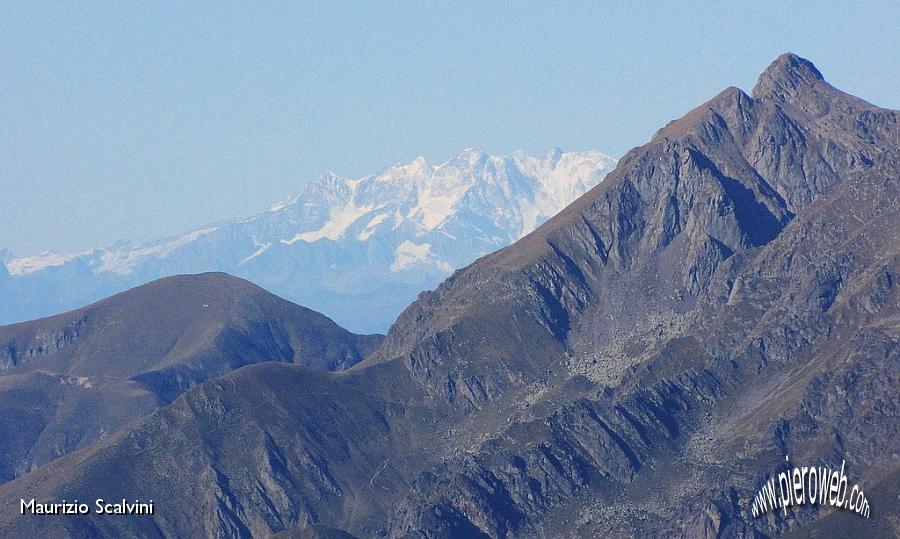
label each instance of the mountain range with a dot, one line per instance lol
(357, 250)
(723, 305)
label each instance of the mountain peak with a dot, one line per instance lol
(167, 310)
(468, 156)
(406, 227)
(553, 155)
(786, 76)
(418, 167)
(730, 98)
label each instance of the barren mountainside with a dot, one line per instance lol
(70, 379)
(637, 366)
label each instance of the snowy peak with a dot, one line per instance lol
(508, 195)
(393, 233)
(467, 159)
(523, 190)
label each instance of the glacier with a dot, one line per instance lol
(358, 250)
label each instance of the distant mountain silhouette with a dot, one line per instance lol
(359, 250)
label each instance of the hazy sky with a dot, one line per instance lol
(146, 119)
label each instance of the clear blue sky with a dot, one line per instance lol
(146, 119)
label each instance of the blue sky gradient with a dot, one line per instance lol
(146, 119)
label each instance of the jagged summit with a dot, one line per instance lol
(789, 78)
(729, 98)
(785, 76)
(357, 249)
(469, 155)
(791, 65)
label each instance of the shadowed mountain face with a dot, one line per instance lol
(70, 379)
(639, 365)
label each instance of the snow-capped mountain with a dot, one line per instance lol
(358, 250)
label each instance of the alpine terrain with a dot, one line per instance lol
(70, 379)
(723, 305)
(358, 250)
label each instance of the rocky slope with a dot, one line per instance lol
(68, 380)
(357, 250)
(637, 366)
